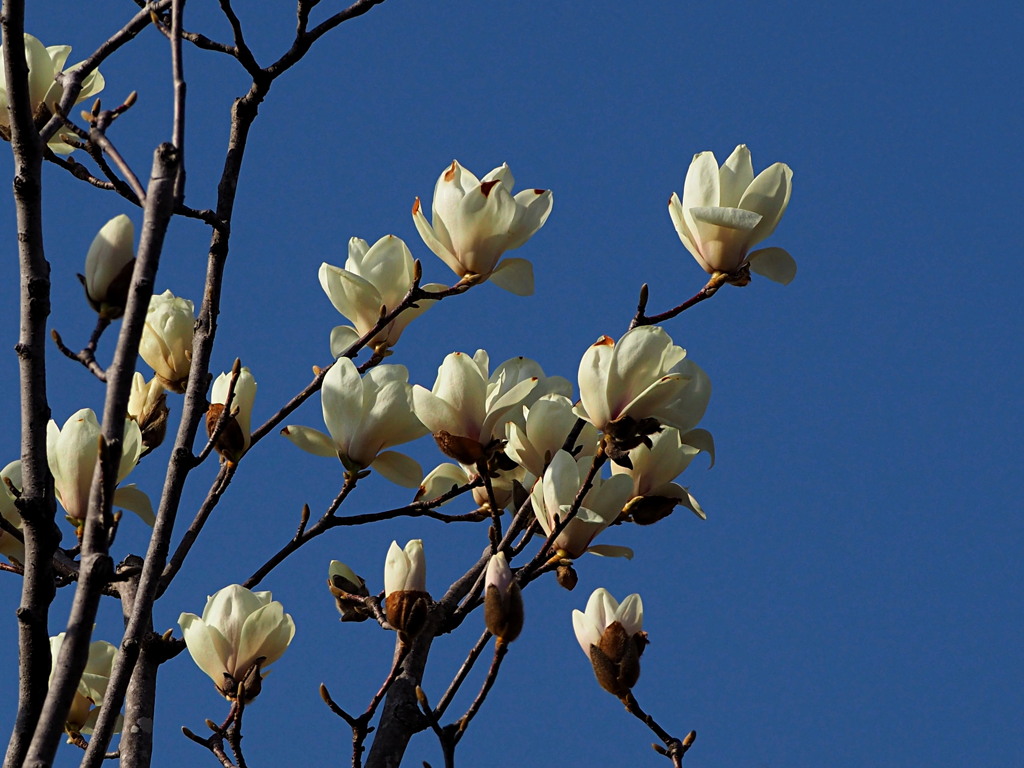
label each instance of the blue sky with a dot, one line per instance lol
(854, 596)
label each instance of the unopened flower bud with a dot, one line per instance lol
(108, 267)
(610, 635)
(166, 343)
(346, 585)
(567, 577)
(147, 407)
(405, 595)
(503, 601)
(234, 438)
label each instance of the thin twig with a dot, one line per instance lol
(674, 748)
(460, 676)
(710, 289)
(500, 649)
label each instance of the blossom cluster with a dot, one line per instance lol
(574, 459)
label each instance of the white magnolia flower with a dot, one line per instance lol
(602, 611)
(240, 634)
(72, 452)
(476, 220)
(612, 637)
(405, 570)
(364, 416)
(147, 407)
(235, 438)
(542, 432)
(374, 277)
(552, 498)
(444, 477)
(405, 587)
(726, 211)
(643, 376)
(108, 267)
(166, 343)
(466, 410)
(10, 545)
(654, 470)
(92, 688)
(44, 64)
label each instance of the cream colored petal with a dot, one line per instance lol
(342, 339)
(398, 468)
(735, 175)
(701, 188)
(266, 632)
(396, 569)
(206, 652)
(593, 381)
(702, 440)
(354, 297)
(534, 208)
(440, 480)
(343, 399)
(587, 633)
(630, 614)
(311, 440)
(514, 276)
(768, 195)
(134, 500)
(774, 263)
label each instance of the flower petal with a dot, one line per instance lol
(774, 263)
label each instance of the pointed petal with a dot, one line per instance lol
(735, 175)
(610, 550)
(311, 440)
(768, 195)
(342, 397)
(702, 440)
(630, 614)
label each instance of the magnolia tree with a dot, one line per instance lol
(540, 465)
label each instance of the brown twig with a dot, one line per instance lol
(86, 356)
(500, 649)
(674, 748)
(710, 289)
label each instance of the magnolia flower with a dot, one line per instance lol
(405, 586)
(643, 376)
(346, 586)
(166, 343)
(653, 470)
(235, 437)
(611, 635)
(726, 211)
(503, 601)
(552, 498)
(147, 407)
(364, 416)
(108, 267)
(444, 477)
(10, 545)
(476, 220)
(466, 410)
(374, 281)
(92, 688)
(240, 634)
(44, 64)
(72, 452)
(545, 426)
